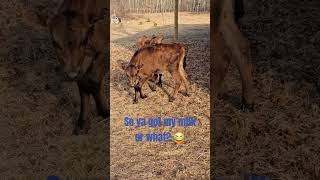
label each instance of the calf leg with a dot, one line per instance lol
(220, 65)
(141, 83)
(97, 76)
(240, 52)
(245, 69)
(138, 88)
(182, 73)
(184, 77)
(154, 79)
(84, 112)
(176, 76)
(156, 75)
(100, 103)
(160, 81)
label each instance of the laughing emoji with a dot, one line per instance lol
(178, 138)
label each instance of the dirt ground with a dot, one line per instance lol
(37, 107)
(281, 139)
(156, 160)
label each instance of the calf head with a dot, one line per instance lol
(156, 40)
(70, 33)
(132, 72)
(70, 43)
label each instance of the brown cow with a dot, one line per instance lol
(79, 34)
(161, 57)
(230, 45)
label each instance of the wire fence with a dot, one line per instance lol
(123, 7)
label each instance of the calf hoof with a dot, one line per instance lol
(135, 101)
(247, 107)
(171, 99)
(144, 96)
(159, 84)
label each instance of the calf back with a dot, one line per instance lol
(158, 57)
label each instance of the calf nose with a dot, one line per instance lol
(73, 75)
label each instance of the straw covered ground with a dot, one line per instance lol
(161, 160)
(37, 107)
(281, 139)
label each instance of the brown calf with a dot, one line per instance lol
(144, 41)
(161, 57)
(230, 45)
(78, 32)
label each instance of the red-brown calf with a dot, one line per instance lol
(161, 57)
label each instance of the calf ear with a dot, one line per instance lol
(157, 39)
(141, 41)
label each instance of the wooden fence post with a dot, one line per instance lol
(176, 9)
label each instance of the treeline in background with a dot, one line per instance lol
(123, 7)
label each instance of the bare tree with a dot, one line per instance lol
(158, 6)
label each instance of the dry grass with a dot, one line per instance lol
(281, 139)
(132, 160)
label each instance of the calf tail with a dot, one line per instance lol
(185, 60)
(181, 70)
(182, 57)
(182, 64)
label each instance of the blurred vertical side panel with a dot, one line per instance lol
(39, 105)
